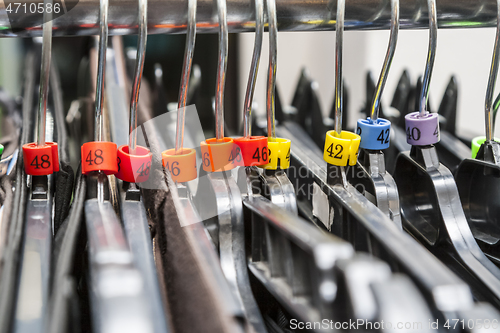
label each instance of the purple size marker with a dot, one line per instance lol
(422, 130)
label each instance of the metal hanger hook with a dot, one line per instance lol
(273, 59)
(101, 67)
(393, 39)
(186, 73)
(221, 70)
(254, 68)
(431, 55)
(44, 74)
(139, 67)
(488, 105)
(339, 43)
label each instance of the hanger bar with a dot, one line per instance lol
(169, 16)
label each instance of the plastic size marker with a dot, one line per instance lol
(341, 150)
(182, 166)
(133, 168)
(374, 134)
(278, 150)
(99, 156)
(181, 162)
(219, 155)
(422, 130)
(476, 144)
(40, 160)
(254, 150)
(341, 147)
(134, 162)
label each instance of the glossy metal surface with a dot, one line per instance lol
(431, 55)
(272, 69)
(221, 69)
(168, 16)
(492, 80)
(101, 68)
(139, 66)
(376, 183)
(254, 68)
(116, 94)
(186, 73)
(391, 49)
(339, 45)
(44, 76)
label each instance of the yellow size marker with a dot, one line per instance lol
(279, 149)
(341, 150)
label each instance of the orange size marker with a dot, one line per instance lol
(222, 155)
(133, 168)
(254, 150)
(40, 160)
(182, 166)
(99, 156)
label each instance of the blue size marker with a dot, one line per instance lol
(375, 134)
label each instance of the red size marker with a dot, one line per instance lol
(133, 168)
(40, 160)
(99, 156)
(254, 150)
(182, 166)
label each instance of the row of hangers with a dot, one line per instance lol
(311, 277)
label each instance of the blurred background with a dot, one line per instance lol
(464, 53)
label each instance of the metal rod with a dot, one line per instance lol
(44, 74)
(492, 81)
(221, 70)
(186, 73)
(393, 39)
(168, 16)
(254, 68)
(139, 67)
(431, 55)
(101, 68)
(273, 59)
(339, 43)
